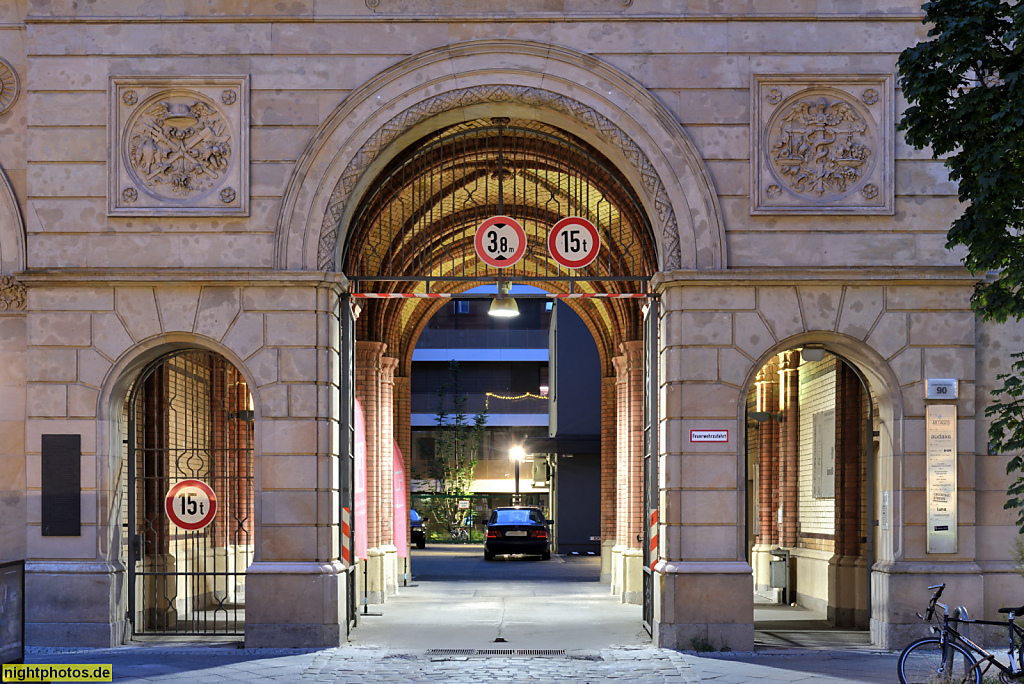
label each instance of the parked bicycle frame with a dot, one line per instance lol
(950, 656)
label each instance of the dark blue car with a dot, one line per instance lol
(418, 536)
(517, 530)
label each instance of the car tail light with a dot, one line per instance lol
(493, 534)
(540, 534)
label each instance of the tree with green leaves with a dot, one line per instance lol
(451, 464)
(965, 90)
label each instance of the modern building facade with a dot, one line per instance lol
(202, 204)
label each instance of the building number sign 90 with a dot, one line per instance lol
(191, 504)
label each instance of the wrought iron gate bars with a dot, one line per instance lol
(422, 210)
(227, 466)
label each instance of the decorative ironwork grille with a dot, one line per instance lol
(419, 219)
(189, 417)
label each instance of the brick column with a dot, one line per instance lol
(847, 605)
(768, 455)
(387, 473)
(789, 450)
(628, 568)
(609, 481)
(369, 357)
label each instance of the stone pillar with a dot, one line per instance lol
(609, 482)
(295, 590)
(767, 388)
(368, 371)
(789, 451)
(703, 583)
(387, 474)
(628, 579)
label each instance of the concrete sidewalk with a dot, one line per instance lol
(354, 664)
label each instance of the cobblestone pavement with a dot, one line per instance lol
(357, 665)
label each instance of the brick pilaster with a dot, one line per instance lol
(768, 455)
(368, 391)
(609, 480)
(789, 448)
(387, 435)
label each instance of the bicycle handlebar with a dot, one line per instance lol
(927, 617)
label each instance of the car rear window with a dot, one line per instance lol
(517, 517)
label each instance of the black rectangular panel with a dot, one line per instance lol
(62, 485)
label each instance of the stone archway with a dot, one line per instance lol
(12, 230)
(562, 87)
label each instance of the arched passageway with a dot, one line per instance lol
(411, 248)
(189, 417)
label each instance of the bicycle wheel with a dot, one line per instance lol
(921, 663)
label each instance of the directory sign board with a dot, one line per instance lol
(940, 426)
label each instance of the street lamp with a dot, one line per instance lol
(518, 454)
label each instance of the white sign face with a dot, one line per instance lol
(463, 505)
(940, 427)
(500, 241)
(940, 388)
(191, 504)
(574, 242)
(824, 455)
(709, 435)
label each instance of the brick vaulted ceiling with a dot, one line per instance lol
(418, 220)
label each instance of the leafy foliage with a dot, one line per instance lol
(965, 89)
(457, 441)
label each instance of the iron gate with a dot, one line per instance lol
(651, 455)
(347, 444)
(189, 417)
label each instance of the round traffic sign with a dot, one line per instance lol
(500, 241)
(574, 242)
(191, 504)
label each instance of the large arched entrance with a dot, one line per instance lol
(411, 248)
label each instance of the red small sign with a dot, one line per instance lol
(191, 504)
(500, 241)
(574, 242)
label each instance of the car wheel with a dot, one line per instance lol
(546, 555)
(421, 544)
(488, 556)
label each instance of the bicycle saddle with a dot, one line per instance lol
(1015, 611)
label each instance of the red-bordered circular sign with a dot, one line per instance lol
(574, 242)
(191, 504)
(500, 241)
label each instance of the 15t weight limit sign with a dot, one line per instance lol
(500, 241)
(191, 504)
(574, 242)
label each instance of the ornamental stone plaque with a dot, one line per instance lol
(178, 146)
(822, 145)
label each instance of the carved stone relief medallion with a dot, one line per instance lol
(8, 86)
(179, 146)
(822, 145)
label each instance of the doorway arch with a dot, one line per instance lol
(189, 416)
(555, 85)
(807, 393)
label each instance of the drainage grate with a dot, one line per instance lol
(495, 652)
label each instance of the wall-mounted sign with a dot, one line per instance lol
(940, 388)
(500, 241)
(191, 504)
(940, 438)
(574, 242)
(823, 455)
(709, 435)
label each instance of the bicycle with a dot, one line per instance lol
(950, 656)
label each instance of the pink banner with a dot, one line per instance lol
(359, 521)
(401, 511)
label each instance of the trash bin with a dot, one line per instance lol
(778, 573)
